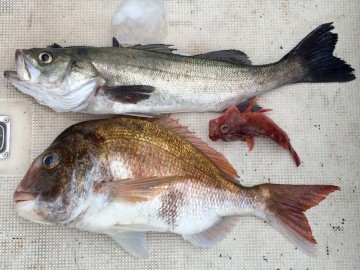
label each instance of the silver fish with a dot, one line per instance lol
(125, 176)
(150, 80)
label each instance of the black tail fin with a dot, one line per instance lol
(316, 53)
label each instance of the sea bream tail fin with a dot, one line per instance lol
(284, 210)
(315, 54)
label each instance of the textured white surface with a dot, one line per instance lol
(322, 120)
(139, 21)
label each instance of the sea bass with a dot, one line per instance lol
(125, 176)
(235, 125)
(150, 80)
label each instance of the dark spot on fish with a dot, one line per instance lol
(265, 258)
(327, 250)
(281, 47)
(170, 203)
(321, 164)
(220, 255)
(343, 221)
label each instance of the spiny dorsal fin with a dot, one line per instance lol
(231, 56)
(219, 160)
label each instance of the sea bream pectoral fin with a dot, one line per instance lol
(139, 189)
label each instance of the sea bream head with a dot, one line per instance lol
(56, 77)
(58, 182)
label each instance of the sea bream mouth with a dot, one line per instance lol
(25, 204)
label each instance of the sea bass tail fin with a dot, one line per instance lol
(315, 52)
(285, 207)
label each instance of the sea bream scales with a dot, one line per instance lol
(150, 80)
(126, 176)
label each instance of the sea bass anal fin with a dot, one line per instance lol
(231, 56)
(129, 93)
(214, 234)
(131, 241)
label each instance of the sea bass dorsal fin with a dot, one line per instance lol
(161, 48)
(214, 234)
(219, 160)
(232, 56)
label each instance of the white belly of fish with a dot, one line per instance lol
(102, 215)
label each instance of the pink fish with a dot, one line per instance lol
(235, 125)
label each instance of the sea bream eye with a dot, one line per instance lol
(45, 57)
(50, 161)
(224, 129)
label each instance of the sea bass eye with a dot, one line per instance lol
(224, 129)
(50, 161)
(45, 57)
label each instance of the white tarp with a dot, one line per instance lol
(322, 121)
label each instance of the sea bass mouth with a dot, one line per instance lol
(22, 73)
(21, 63)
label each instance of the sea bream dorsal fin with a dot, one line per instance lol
(219, 160)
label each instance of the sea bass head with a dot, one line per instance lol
(57, 183)
(226, 126)
(56, 77)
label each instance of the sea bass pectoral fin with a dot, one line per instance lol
(284, 210)
(214, 234)
(129, 93)
(219, 160)
(245, 105)
(133, 242)
(231, 56)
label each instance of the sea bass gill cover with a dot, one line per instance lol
(125, 176)
(150, 80)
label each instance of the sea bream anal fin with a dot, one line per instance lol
(214, 234)
(231, 56)
(131, 241)
(220, 161)
(136, 190)
(129, 93)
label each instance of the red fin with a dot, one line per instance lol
(250, 142)
(219, 160)
(251, 104)
(294, 156)
(285, 207)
